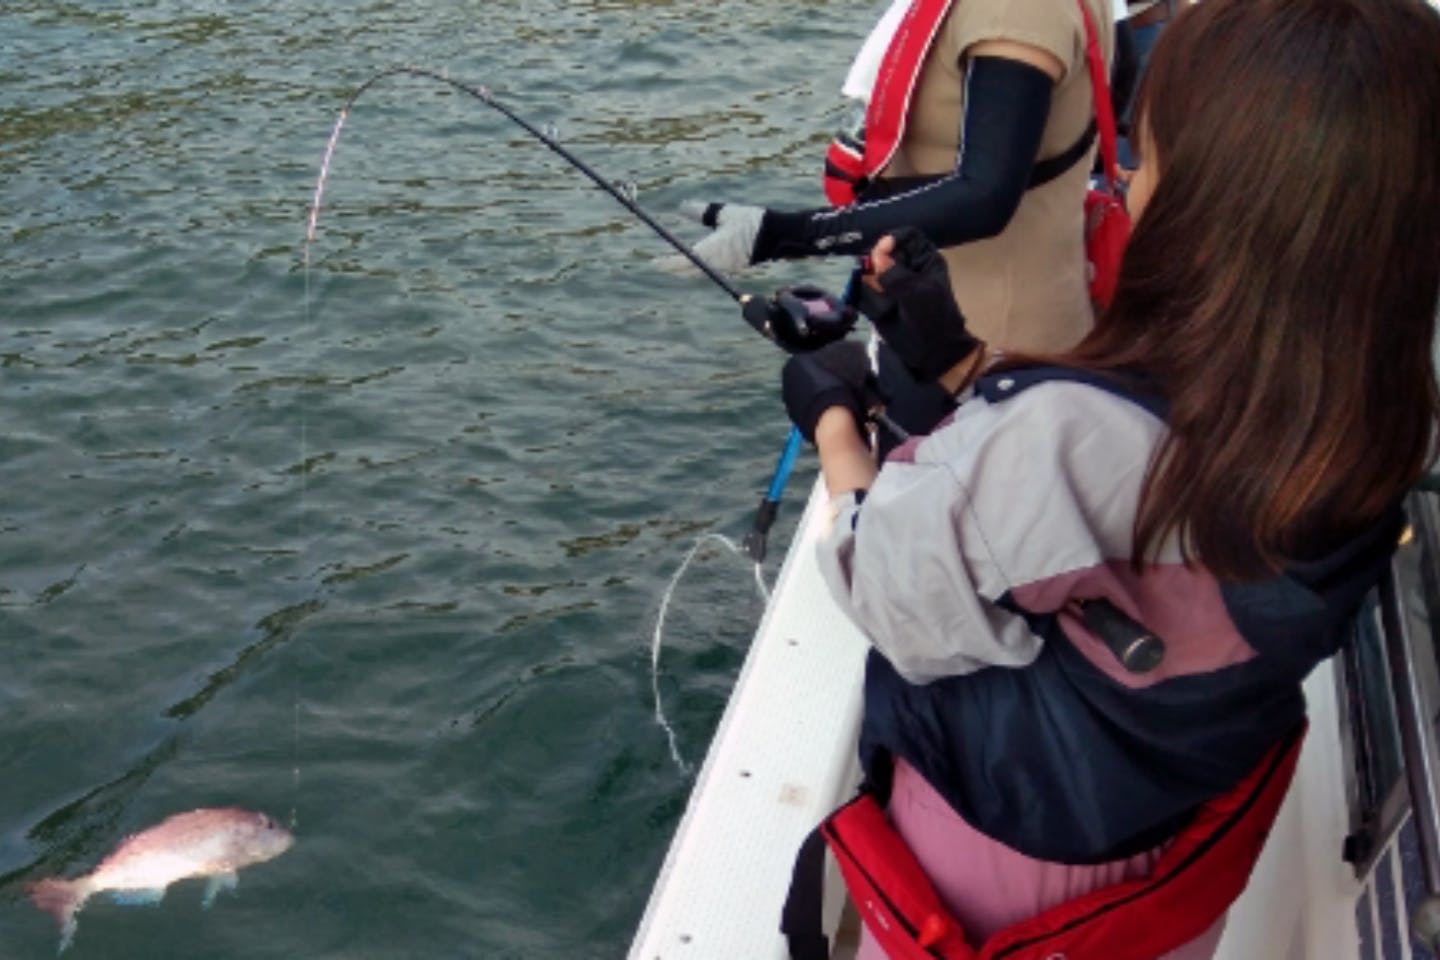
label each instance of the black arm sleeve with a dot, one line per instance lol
(1006, 106)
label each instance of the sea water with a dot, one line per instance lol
(389, 562)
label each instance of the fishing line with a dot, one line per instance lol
(294, 819)
(313, 221)
(295, 751)
(656, 637)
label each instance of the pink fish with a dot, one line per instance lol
(209, 842)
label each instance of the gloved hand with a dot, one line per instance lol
(730, 247)
(836, 375)
(925, 327)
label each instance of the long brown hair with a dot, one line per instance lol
(1281, 287)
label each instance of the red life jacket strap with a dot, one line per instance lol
(1100, 92)
(1107, 221)
(895, 82)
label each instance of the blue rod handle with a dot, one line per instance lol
(770, 505)
(786, 464)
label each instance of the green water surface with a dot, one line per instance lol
(379, 546)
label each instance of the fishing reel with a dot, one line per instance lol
(800, 319)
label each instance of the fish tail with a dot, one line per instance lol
(62, 899)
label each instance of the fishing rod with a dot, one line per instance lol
(797, 318)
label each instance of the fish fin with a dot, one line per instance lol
(213, 886)
(62, 899)
(138, 897)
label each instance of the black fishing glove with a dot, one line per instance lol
(836, 375)
(919, 319)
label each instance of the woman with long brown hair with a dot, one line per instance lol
(1220, 465)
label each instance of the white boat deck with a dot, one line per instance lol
(782, 757)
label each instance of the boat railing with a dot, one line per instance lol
(1391, 719)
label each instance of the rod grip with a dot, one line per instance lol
(754, 542)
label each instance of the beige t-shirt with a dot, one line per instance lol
(1024, 290)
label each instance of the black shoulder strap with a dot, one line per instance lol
(1046, 170)
(801, 919)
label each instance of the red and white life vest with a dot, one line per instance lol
(849, 165)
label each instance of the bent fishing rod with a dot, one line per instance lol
(797, 318)
(484, 95)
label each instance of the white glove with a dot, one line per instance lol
(731, 245)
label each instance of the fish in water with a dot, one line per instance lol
(210, 842)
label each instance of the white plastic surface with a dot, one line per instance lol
(1300, 902)
(782, 757)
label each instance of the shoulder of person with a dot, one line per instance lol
(1024, 421)
(1048, 34)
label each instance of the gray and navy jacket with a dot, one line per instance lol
(965, 568)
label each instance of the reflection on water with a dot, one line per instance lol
(274, 629)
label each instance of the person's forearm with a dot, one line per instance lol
(845, 459)
(1006, 109)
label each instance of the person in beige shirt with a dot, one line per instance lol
(1024, 288)
(1002, 101)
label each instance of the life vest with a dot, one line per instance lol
(852, 160)
(1196, 879)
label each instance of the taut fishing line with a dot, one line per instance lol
(624, 195)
